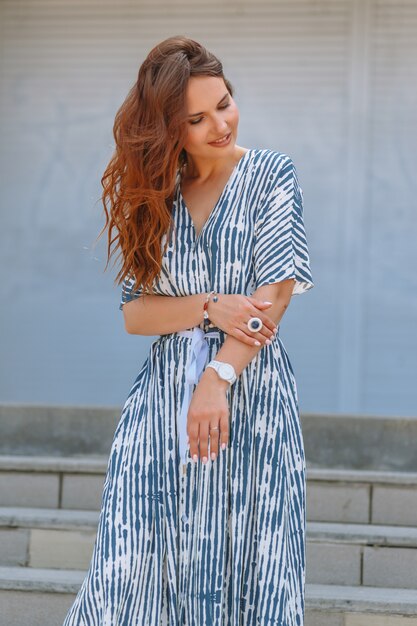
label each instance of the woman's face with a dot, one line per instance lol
(217, 117)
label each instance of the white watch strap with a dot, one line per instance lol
(217, 364)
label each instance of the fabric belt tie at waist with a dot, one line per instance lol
(194, 369)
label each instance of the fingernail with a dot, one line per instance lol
(223, 446)
(204, 459)
(268, 342)
(257, 343)
(266, 302)
(195, 458)
(213, 456)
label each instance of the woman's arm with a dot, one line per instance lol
(240, 354)
(209, 404)
(160, 315)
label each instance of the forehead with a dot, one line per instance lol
(204, 91)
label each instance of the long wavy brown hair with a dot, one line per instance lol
(150, 130)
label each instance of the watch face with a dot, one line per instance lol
(226, 370)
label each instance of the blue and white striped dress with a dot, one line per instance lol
(224, 543)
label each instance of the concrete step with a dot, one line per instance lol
(51, 538)
(333, 495)
(378, 556)
(56, 430)
(52, 482)
(339, 441)
(41, 597)
(364, 442)
(362, 496)
(361, 554)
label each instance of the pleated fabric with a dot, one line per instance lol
(224, 543)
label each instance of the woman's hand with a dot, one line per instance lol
(231, 313)
(208, 407)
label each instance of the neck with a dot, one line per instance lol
(205, 169)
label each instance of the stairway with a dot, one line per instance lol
(361, 529)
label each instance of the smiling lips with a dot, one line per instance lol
(222, 140)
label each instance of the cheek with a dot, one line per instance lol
(194, 134)
(234, 116)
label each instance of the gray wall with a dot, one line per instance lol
(331, 83)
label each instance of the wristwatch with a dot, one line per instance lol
(226, 371)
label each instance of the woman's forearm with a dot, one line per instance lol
(239, 354)
(160, 315)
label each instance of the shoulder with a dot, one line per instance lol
(270, 168)
(266, 159)
(270, 164)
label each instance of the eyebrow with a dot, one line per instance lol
(201, 112)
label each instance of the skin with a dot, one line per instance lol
(208, 165)
(207, 171)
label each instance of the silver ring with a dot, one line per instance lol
(254, 324)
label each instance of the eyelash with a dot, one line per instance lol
(199, 120)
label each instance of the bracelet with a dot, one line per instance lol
(206, 320)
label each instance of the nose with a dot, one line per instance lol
(221, 121)
(221, 126)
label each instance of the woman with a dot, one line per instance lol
(213, 246)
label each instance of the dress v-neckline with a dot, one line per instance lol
(218, 202)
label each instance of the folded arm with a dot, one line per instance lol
(160, 315)
(240, 354)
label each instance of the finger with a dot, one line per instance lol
(267, 333)
(265, 319)
(192, 431)
(263, 304)
(267, 324)
(251, 339)
(244, 337)
(203, 440)
(224, 431)
(262, 336)
(214, 441)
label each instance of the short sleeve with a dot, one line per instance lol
(127, 292)
(280, 244)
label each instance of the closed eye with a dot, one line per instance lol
(200, 118)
